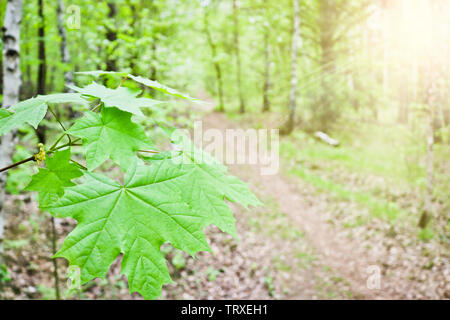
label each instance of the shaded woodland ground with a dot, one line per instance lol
(312, 240)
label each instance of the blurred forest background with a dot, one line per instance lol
(359, 90)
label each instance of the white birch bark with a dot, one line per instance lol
(11, 87)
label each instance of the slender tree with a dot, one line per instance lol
(42, 69)
(111, 36)
(216, 63)
(64, 49)
(296, 38)
(266, 86)
(11, 87)
(238, 55)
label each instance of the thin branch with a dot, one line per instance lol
(56, 117)
(52, 150)
(18, 164)
(58, 140)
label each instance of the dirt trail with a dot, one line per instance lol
(347, 258)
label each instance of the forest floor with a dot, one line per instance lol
(299, 245)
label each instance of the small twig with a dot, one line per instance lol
(57, 141)
(123, 80)
(18, 163)
(56, 117)
(96, 107)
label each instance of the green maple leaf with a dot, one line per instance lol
(111, 135)
(122, 98)
(51, 181)
(74, 98)
(136, 219)
(33, 110)
(152, 207)
(160, 87)
(212, 171)
(30, 111)
(147, 82)
(211, 185)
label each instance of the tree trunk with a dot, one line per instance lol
(385, 31)
(134, 26)
(328, 63)
(42, 71)
(289, 126)
(431, 94)
(266, 88)
(11, 87)
(42, 68)
(111, 35)
(212, 45)
(154, 47)
(64, 49)
(238, 55)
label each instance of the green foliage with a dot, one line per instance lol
(110, 134)
(170, 197)
(178, 261)
(51, 181)
(19, 178)
(31, 111)
(4, 274)
(426, 234)
(122, 98)
(146, 82)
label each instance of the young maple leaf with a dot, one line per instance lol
(122, 98)
(110, 135)
(30, 111)
(51, 181)
(33, 110)
(136, 218)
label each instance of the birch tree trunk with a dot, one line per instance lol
(11, 86)
(238, 55)
(289, 126)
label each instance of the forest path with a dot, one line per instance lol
(333, 251)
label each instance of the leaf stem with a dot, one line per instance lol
(97, 106)
(18, 163)
(56, 117)
(123, 80)
(58, 140)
